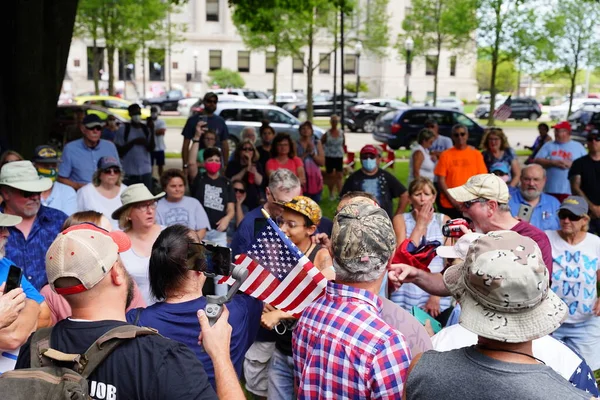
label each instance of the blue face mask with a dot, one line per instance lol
(369, 164)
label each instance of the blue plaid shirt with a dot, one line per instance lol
(30, 253)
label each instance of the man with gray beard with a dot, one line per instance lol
(20, 187)
(531, 194)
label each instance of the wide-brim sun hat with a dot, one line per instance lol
(503, 289)
(22, 175)
(7, 220)
(136, 193)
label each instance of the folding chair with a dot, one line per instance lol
(389, 158)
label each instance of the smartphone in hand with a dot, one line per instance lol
(13, 280)
(422, 316)
(209, 258)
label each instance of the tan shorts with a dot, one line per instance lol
(256, 367)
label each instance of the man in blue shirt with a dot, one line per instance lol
(80, 157)
(530, 193)
(20, 186)
(557, 157)
(59, 196)
(213, 122)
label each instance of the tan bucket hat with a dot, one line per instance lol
(22, 175)
(503, 289)
(135, 194)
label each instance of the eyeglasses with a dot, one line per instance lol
(95, 128)
(469, 204)
(593, 138)
(237, 190)
(281, 222)
(112, 170)
(210, 101)
(27, 194)
(209, 139)
(146, 206)
(247, 149)
(368, 156)
(457, 134)
(568, 215)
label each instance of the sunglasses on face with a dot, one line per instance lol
(247, 149)
(593, 138)
(368, 156)
(112, 170)
(469, 204)
(238, 190)
(210, 101)
(569, 216)
(95, 128)
(27, 194)
(457, 134)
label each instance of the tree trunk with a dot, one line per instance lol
(110, 54)
(275, 69)
(436, 68)
(573, 74)
(495, 58)
(309, 75)
(36, 59)
(95, 65)
(143, 71)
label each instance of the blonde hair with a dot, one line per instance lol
(124, 220)
(96, 178)
(419, 183)
(80, 217)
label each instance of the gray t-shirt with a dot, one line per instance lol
(467, 374)
(441, 143)
(188, 211)
(137, 160)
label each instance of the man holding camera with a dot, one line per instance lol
(83, 264)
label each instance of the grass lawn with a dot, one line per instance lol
(174, 122)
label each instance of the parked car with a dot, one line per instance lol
(64, 117)
(284, 98)
(362, 114)
(453, 103)
(583, 121)
(559, 113)
(400, 128)
(238, 115)
(322, 106)
(521, 108)
(192, 105)
(254, 96)
(166, 102)
(115, 105)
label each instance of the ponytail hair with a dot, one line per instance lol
(167, 270)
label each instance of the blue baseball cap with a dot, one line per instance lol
(500, 166)
(575, 204)
(107, 162)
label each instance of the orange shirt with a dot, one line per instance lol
(457, 166)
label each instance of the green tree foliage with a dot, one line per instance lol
(351, 87)
(435, 25)
(572, 30)
(226, 78)
(506, 76)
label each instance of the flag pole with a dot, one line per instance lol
(265, 213)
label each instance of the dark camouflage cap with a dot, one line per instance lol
(363, 239)
(504, 291)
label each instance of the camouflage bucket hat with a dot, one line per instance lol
(363, 238)
(305, 206)
(503, 289)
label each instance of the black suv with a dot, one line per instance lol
(167, 102)
(583, 121)
(361, 116)
(322, 106)
(521, 108)
(400, 128)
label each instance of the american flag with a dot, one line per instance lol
(280, 274)
(503, 112)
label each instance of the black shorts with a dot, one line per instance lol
(157, 157)
(332, 163)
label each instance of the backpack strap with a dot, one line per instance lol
(39, 343)
(105, 345)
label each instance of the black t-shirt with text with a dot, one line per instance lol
(589, 170)
(214, 123)
(147, 367)
(214, 194)
(383, 185)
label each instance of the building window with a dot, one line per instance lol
(270, 61)
(324, 65)
(453, 66)
(243, 61)
(126, 65)
(298, 64)
(212, 10)
(452, 94)
(76, 62)
(215, 59)
(175, 65)
(430, 62)
(90, 61)
(429, 95)
(349, 64)
(156, 61)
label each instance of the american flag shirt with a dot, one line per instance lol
(344, 350)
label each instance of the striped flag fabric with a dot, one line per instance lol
(279, 273)
(503, 112)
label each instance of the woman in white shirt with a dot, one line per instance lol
(137, 218)
(421, 163)
(103, 194)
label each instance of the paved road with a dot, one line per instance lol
(517, 137)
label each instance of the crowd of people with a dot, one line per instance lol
(101, 245)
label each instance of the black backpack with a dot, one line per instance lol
(57, 375)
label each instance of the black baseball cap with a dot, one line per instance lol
(92, 120)
(211, 95)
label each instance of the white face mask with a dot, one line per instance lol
(136, 118)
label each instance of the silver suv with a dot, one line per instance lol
(237, 116)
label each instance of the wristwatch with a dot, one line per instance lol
(195, 140)
(185, 166)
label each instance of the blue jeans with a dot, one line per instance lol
(584, 337)
(281, 377)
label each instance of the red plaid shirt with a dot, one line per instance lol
(344, 350)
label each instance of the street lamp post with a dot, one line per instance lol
(195, 65)
(357, 50)
(408, 45)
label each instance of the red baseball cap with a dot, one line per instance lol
(369, 149)
(563, 125)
